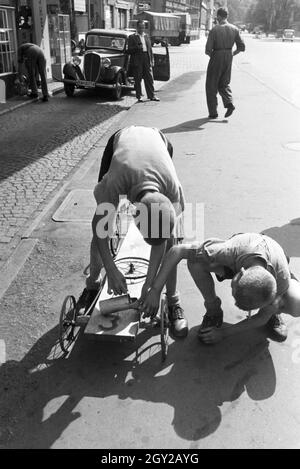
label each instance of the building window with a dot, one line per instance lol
(122, 18)
(8, 50)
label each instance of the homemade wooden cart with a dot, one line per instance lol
(116, 318)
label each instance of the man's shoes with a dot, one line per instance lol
(45, 99)
(85, 300)
(140, 100)
(277, 328)
(177, 322)
(33, 96)
(213, 116)
(230, 109)
(155, 98)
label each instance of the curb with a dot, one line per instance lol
(19, 256)
(25, 103)
(15, 263)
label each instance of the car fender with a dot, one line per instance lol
(115, 69)
(111, 72)
(70, 70)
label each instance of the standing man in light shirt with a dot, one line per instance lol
(142, 61)
(219, 45)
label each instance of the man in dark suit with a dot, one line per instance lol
(141, 61)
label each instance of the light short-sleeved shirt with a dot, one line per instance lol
(140, 162)
(235, 252)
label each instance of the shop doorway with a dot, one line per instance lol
(60, 43)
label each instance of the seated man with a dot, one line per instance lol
(137, 164)
(260, 277)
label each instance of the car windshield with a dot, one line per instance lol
(105, 42)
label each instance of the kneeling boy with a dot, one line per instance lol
(261, 279)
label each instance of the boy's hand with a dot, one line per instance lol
(116, 283)
(151, 303)
(211, 335)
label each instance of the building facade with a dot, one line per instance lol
(54, 24)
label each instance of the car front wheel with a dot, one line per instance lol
(117, 91)
(69, 87)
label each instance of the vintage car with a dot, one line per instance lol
(288, 35)
(105, 64)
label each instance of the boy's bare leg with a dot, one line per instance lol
(205, 283)
(178, 322)
(93, 280)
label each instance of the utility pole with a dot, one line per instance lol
(211, 13)
(89, 13)
(200, 13)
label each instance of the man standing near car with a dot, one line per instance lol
(141, 62)
(219, 48)
(35, 63)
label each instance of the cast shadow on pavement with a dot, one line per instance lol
(173, 89)
(288, 236)
(40, 395)
(191, 126)
(55, 129)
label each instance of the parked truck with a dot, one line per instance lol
(185, 27)
(161, 27)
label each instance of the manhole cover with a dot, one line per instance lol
(295, 146)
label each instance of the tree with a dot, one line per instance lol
(237, 10)
(273, 14)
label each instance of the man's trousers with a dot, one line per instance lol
(218, 78)
(143, 70)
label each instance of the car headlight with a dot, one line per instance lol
(76, 60)
(106, 62)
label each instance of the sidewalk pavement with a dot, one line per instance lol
(242, 393)
(54, 87)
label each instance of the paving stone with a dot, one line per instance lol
(41, 145)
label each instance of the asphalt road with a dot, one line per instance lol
(275, 63)
(242, 393)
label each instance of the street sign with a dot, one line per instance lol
(79, 5)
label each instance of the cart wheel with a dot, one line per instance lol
(68, 330)
(133, 268)
(164, 328)
(114, 242)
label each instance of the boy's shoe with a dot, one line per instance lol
(215, 320)
(33, 95)
(178, 323)
(213, 116)
(277, 328)
(85, 300)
